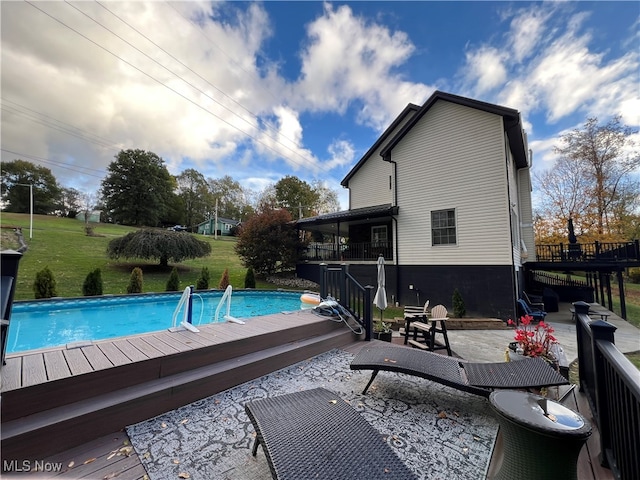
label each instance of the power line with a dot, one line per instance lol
(75, 168)
(194, 87)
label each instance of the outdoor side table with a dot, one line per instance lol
(541, 438)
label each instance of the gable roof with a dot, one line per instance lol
(409, 109)
(512, 124)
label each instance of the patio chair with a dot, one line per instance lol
(525, 309)
(315, 434)
(475, 378)
(414, 313)
(534, 301)
(435, 324)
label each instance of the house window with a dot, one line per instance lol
(379, 234)
(443, 227)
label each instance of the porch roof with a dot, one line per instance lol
(338, 222)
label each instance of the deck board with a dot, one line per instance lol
(33, 370)
(12, 374)
(113, 353)
(145, 347)
(96, 357)
(130, 351)
(56, 365)
(159, 345)
(78, 363)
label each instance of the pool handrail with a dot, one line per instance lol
(226, 297)
(184, 301)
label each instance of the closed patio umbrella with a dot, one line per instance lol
(380, 299)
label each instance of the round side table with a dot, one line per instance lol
(541, 438)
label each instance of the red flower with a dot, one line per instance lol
(534, 340)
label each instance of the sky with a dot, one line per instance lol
(258, 91)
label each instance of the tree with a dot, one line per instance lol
(92, 284)
(202, 283)
(606, 156)
(173, 284)
(138, 189)
(250, 279)
(193, 192)
(224, 280)
(297, 196)
(69, 203)
(161, 244)
(44, 285)
(232, 198)
(327, 198)
(16, 176)
(136, 281)
(269, 242)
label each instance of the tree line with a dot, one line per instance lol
(138, 190)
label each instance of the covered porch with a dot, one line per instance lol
(358, 235)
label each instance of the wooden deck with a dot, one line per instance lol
(108, 454)
(56, 399)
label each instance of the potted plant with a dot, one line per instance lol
(532, 341)
(382, 330)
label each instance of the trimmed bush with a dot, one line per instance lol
(250, 279)
(459, 309)
(224, 280)
(135, 281)
(44, 285)
(203, 280)
(173, 285)
(92, 284)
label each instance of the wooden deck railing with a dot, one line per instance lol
(589, 252)
(338, 283)
(363, 251)
(612, 386)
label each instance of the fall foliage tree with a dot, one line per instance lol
(594, 182)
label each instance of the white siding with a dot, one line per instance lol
(526, 213)
(454, 157)
(370, 185)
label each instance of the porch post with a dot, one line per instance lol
(323, 280)
(623, 303)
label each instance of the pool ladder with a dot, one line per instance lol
(226, 298)
(185, 301)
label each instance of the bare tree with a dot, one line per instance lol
(606, 156)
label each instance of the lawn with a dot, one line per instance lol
(62, 245)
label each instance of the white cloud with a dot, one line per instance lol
(348, 60)
(486, 67)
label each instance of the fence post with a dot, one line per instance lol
(603, 331)
(368, 311)
(343, 283)
(323, 280)
(580, 308)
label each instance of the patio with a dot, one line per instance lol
(172, 438)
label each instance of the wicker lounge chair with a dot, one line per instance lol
(476, 378)
(316, 434)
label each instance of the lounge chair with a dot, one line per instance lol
(316, 434)
(534, 301)
(476, 378)
(524, 309)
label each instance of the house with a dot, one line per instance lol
(224, 226)
(94, 216)
(445, 196)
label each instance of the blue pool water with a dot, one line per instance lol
(51, 323)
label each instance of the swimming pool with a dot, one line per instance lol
(55, 322)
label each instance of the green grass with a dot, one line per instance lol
(61, 244)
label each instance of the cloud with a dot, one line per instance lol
(547, 62)
(348, 60)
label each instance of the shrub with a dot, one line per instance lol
(459, 309)
(634, 275)
(173, 285)
(92, 284)
(135, 281)
(44, 285)
(224, 280)
(250, 279)
(203, 280)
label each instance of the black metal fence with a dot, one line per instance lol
(363, 251)
(585, 252)
(611, 384)
(338, 283)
